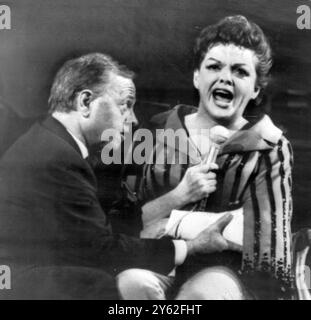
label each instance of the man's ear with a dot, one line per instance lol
(84, 99)
(256, 92)
(196, 78)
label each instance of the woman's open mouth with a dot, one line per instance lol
(222, 96)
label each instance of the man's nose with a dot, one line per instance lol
(131, 118)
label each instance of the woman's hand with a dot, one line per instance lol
(198, 183)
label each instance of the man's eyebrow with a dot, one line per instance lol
(131, 92)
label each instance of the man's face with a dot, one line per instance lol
(113, 109)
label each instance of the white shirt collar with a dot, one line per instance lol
(81, 145)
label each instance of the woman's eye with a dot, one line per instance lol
(242, 72)
(214, 67)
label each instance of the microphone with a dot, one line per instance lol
(218, 136)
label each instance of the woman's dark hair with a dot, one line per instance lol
(241, 32)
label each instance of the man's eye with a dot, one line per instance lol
(123, 105)
(129, 104)
(126, 106)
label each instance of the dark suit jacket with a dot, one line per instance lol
(50, 216)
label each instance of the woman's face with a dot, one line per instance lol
(226, 82)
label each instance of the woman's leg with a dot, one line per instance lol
(213, 283)
(140, 284)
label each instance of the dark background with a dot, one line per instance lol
(155, 39)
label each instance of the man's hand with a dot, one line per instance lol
(198, 182)
(211, 240)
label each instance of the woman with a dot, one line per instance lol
(232, 62)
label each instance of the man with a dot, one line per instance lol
(55, 237)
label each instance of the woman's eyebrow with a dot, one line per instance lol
(213, 59)
(240, 64)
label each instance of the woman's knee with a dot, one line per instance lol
(214, 283)
(140, 284)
